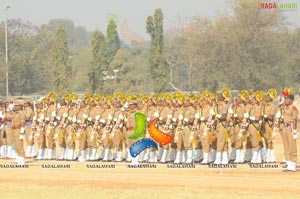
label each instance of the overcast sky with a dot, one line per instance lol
(93, 14)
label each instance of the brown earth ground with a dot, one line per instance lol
(162, 182)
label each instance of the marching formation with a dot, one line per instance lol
(206, 128)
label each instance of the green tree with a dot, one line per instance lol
(60, 63)
(27, 72)
(158, 65)
(112, 40)
(98, 61)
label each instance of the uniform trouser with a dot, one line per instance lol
(179, 142)
(238, 137)
(221, 138)
(82, 142)
(61, 141)
(268, 136)
(29, 137)
(204, 138)
(117, 140)
(9, 137)
(18, 144)
(248, 143)
(253, 135)
(187, 142)
(232, 136)
(289, 144)
(3, 140)
(70, 143)
(106, 139)
(50, 143)
(40, 139)
(196, 138)
(128, 141)
(92, 140)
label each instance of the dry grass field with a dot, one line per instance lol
(201, 182)
(148, 183)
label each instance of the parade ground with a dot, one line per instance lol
(81, 180)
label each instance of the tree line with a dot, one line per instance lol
(249, 48)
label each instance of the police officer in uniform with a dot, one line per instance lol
(289, 132)
(221, 127)
(30, 150)
(3, 140)
(18, 119)
(39, 133)
(269, 113)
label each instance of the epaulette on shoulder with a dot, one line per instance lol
(294, 108)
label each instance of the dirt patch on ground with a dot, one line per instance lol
(161, 182)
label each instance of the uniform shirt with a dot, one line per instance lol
(222, 108)
(290, 113)
(130, 124)
(60, 112)
(239, 110)
(72, 112)
(8, 116)
(18, 119)
(105, 115)
(163, 115)
(269, 109)
(93, 112)
(49, 112)
(205, 112)
(82, 111)
(189, 113)
(150, 112)
(28, 113)
(255, 111)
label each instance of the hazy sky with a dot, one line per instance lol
(93, 13)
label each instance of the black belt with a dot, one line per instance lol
(253, 124)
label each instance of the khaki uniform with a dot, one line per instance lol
(269, 110)
(254, 127)
(82, 111)
(221, 128)
(163, 121)
(39, 136)
(196, 129)
(3, 140)
(239, 110)
(50, 127)
(70, 136)
(205, 133)
(290, 114)
(189, 117)
(30, 130)
(248, 140)
(178, 128)
(61, 128)
(81, 134)
(18, 122)
(117, 134)
(7, 129)
(130, 124)
(93, 131)
(28, 134)
(71, 129)
(106, 130)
